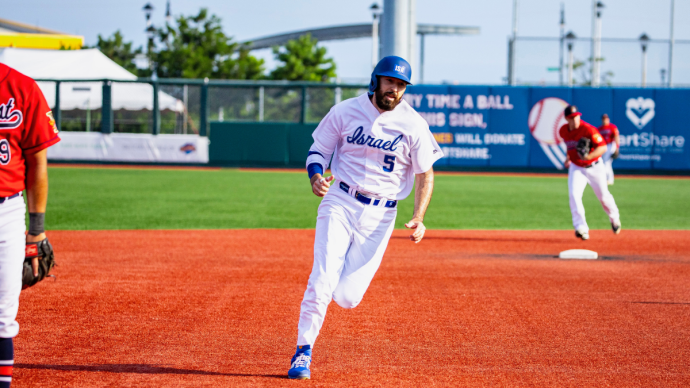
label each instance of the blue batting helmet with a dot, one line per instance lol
(390, 66)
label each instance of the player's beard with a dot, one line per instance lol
(384, 104)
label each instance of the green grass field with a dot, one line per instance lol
(112, 198)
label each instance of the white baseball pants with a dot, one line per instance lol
(608, 161)
(12, 248)
(351, 238)
(578, 178)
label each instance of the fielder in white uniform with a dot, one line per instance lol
(584, 169)
(380, 147)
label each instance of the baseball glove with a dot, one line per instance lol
(583, 147)
(616, 154)
(46, 261)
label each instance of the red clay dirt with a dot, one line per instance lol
(463, 308)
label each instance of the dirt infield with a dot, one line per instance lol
(463, 308)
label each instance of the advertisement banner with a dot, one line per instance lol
(462, 120)
(545, 119)
(503, 126)
(671, 131)
(634, 113)
(130, 147)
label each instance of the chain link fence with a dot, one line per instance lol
(180, 106)
(538, 62)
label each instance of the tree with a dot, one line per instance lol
(118, 50)
(585, 70)
(303, 60)
(197, 47)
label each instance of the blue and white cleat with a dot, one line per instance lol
(299, 369)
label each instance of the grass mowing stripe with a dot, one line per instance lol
(88, 199)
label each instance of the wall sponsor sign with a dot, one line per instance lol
(473, 124)
(518, 126)
(130, 147)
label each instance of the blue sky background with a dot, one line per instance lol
(470, 59)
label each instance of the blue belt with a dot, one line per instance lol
(366, 200)
(3, 199)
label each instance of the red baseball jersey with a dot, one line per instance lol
(571, 139)
(26, 127)
(608, 132)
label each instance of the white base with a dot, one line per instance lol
(582, 254)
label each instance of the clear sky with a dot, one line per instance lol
(468, 59)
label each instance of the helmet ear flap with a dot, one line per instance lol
(373, 84)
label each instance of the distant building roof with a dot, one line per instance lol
(9, 26)
(20, 35)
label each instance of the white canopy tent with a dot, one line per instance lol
(85, 64)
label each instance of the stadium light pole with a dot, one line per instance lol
(421, 58)
(150, 33)
(670, 47)
(375, 12)
(596, 42)
(560, 47)
(148, 10)
(570, 41)
(512, 57)
(168, 14)
(644, 41)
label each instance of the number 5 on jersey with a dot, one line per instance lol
(389, 160)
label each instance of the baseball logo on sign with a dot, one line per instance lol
(545, 119)
(640, 111)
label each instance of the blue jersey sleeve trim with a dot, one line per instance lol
(316, 153)
(314, 168)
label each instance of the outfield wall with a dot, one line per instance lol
(260, 144)
(504, 126)
(497, 127)
(129, 148)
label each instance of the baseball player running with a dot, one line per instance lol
(610, 134)
(583, 161)
(27, 129)
(379, 144)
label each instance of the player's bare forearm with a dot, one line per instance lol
(36, 193)
(37, 181)
(424, 187)
(596, 153)
(315, 178)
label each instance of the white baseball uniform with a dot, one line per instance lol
(578, 178)
(609, 132)
(375, 157)
(608, 161)
(582, 172)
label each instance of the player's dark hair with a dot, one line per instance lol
(570, 109)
